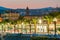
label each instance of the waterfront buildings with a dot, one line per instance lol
(36, 27)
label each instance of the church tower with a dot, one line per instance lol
(27, 11)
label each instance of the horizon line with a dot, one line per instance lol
(29, 8)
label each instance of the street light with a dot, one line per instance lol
(22, 27)
(2, 33)
(54, 21)
(40, 21)
(2, 27)
(14, 28)
(8, 25)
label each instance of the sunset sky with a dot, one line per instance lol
(29, 3)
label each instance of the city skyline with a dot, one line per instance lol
(29, 3)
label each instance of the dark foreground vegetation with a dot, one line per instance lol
(44, 38)
(23, 37)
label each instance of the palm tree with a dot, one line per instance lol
(29, 21)
(49, 20)
(21, 20)
(25, 22)
(14, 23)
(3, 23)
(34, 20)
(54, 16)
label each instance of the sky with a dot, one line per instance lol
(29, 3)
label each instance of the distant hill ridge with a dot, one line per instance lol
(39, 11)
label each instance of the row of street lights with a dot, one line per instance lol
(40, 22)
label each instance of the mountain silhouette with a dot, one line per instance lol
(39, 11)
(3, 8)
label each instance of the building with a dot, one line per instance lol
(10, 16)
